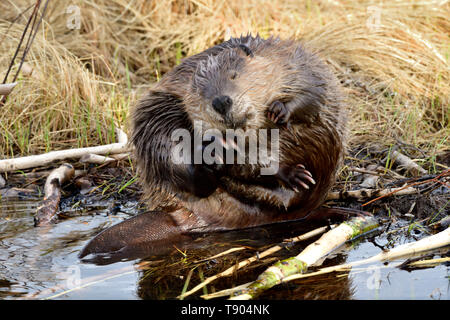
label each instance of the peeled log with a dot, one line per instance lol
(46, 211)
(44, 159)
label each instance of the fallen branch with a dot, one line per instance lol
(408, 163)
(311, 255)
(45, 159)
(46, 211)
(252, 259)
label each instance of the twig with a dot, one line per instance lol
(36, 6)
(226, 292)
(31, 38)
(14, 21)
(221, 254)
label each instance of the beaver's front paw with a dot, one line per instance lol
(295, 177)
(278, 112)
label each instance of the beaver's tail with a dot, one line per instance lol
(149, 233)
(156, 232)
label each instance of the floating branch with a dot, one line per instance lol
(311, 255)
(45, 159)
(46, 211)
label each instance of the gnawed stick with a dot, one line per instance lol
(312, 253)
(46, 211)
(408, 163)
(6, 88)
(250, 260)
(96, 159)
(44, 159)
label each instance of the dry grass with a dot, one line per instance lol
(396, 72)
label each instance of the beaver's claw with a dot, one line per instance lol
(278, 112)
(295, 178)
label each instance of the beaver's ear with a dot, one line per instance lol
(246, 50)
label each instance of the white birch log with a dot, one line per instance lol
(45, 159)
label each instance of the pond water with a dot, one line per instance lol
(43, 263)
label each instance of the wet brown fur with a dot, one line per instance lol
(276, 70)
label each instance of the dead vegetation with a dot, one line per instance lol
(391, 57)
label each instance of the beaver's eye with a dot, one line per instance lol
(233, 75)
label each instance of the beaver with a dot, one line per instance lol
(246, 83)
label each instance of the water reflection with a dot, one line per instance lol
(43, 263)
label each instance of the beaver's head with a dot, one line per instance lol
(230, 90)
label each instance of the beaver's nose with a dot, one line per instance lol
(222, 104)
